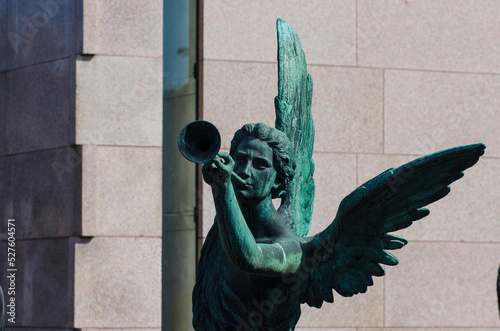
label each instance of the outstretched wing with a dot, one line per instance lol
(293, 116)
(349, 252)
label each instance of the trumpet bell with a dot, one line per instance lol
(199, 141)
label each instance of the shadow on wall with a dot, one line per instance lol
(2, 308)
(498, 289)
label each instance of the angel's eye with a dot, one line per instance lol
(261, 164)
(240, 158)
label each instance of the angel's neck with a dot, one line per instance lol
(260, 216)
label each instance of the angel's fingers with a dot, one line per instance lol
(226, 158)
(217, 164)
(210, 170)
(223, 164)
(208, 174)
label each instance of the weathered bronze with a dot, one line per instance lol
(199, 142)
(257, 266)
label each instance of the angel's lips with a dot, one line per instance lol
(241, 186)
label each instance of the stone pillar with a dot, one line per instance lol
(119, 126)
(179, 175)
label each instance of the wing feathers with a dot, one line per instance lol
(354, 245)
(372, 268)
(388, 241)
(381, 256)
(294, 117)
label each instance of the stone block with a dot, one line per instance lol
(439, 284)
(335, 178)
(42, 191)
(347, 109)
(42, 31)
(132, 28)
(236, 93)
(428, 111)
(119, 101)
(468, 213)
(118, 283)
(444, 35)
(362, 310)
(44, 282)
(329, 38)
(40, 106)
(121, 191)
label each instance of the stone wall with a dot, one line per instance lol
(80, 161)
(393, 80)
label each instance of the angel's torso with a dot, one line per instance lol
(251, 302)
(272, 299)
(250, 287)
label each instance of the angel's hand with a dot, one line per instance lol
(217, 172)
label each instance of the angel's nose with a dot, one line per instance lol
(245, 170)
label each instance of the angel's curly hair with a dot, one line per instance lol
(283, 160)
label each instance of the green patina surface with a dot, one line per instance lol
(257, 266)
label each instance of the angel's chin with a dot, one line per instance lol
(243, 193)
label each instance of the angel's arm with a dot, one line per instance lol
(238, 242)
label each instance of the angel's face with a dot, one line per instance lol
(254, 164)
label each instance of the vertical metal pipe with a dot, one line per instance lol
(2, 309)
(179, 175)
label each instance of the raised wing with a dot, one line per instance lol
(349, 252)
(293, 116)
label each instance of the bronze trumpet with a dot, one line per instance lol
(199, 142)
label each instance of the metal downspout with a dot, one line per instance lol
(179, 175)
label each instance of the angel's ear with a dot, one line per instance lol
(278, 190)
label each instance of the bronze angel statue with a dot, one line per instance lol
(257, 265)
